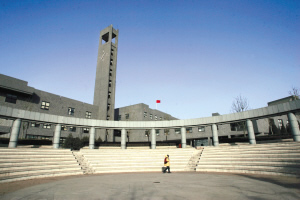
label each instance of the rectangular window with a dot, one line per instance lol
(145, 114)
(150, 116)
(147, 133)
(47, 126)
(127, 116)
(63, 128)
(71, 111)
(86, 130)
(45, 105)
(189, 130)
(73, 129)
(201, 128)
(157, 131)
(155, 117)
(160, 118)
(119, 117)
(177, 130)
(11, 98)
(35, 125)
(88, 114)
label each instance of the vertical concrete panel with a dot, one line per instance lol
(123, 138)
(215, 135)
(183, 137)
(153, 139)
(14, 134)
(92, 138)
(250, 130)
(56, 137)
(294, 127)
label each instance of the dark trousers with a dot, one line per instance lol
(167, 168)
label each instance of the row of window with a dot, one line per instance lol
(45, 106)
(63, 128)
(177, 131)
(151, 116)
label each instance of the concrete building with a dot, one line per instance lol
(16, 93)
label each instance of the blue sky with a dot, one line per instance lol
(195, 56)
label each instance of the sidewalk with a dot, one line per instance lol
(187, 185)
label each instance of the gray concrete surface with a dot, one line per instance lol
(160, 186)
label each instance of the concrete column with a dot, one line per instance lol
(153, 139)
(294, 127)
(215, 135)
(183, 137)
(250, 130)
(56, 136)
(14, 134)
(92, 138)
(123, 138)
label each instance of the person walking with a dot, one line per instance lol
(167, 164)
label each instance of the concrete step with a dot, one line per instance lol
(12, 159)
(251, 163)
(35, 163)
(286, 155)
(12, 178)
(26, 172)
(250, 170)
(37, 167)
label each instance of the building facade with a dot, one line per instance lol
(16, 93)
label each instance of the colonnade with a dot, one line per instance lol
(17, 124)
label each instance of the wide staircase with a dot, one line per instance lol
(270, 159)
(139, 160)
(28, 163)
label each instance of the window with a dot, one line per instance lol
(147, 134)
(145, 114)
(119, 117)
(160, 118)
(88, 114)
(127, 116)
(150, 116)
(73, 129)
(86, 130)
(31, 137)
(71, 111)
(105, 38)
(177, 130)
(35, 125)
(47, 126)
(11, 98)
(155, 117)
(45, 105)
(201, 128)
(64, 128)
(189, 130)
(157, 131)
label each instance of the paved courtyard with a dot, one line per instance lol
(142, 186)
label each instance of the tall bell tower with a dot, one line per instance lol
(105, 84)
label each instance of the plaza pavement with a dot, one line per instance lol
(156, 186)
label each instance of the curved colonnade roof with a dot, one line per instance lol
(284, 108)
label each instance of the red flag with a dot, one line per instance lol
(157, 101)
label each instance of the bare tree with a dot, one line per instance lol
(295, 92)
(240, 104)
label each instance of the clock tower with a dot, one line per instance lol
(105, 84)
